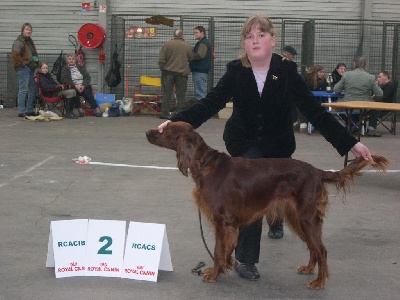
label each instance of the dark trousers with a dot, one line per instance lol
(248, 246)
(169, 80)
(374, 115)
(87, 94)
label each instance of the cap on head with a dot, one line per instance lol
(290, 49)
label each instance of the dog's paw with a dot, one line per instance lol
(307, 270)
(316, 284)
(209, 275)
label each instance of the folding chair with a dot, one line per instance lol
(49, 103)
(390, 116)
(147, 94)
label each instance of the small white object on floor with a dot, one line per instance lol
(82, 160)
(47, 113)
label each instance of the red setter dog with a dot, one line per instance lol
(234, 191)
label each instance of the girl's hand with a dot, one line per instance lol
(162, 125)
(361, 150)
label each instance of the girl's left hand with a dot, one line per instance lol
(361, 150)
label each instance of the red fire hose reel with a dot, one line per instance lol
(93, 36)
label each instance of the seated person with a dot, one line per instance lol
(77, 76)
(358, 85)
(388, 96)
(338, 72)
(315, 78)
(51, 88)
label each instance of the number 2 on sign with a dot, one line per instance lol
(103, 250)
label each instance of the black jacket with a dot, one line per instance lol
(388, 92)
(48, 85)
(66, 77)
(266, 121)
(336, 77)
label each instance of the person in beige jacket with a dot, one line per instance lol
(173, 62)
(358, 84)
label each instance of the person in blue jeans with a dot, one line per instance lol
(201, 63)
(24, 59)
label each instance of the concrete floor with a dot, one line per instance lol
(40, 183)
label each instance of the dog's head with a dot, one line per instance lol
(178, 136)
(170, 136)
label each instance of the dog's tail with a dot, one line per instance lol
(342, 178)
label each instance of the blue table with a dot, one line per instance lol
(326, 94)
(326, 97)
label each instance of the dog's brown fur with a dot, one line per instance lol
(233, 192)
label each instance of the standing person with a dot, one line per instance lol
(276, 232)
(173, 62)
(387, 88)
(24, 59)
(289, 52)
(263, 88)
(201, 63)
(77, 77)
(338, 73)
(50, 88)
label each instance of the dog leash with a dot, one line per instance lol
(197, 270)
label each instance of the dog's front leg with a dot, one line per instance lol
(308, 269)
(225, 243)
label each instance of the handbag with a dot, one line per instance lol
(114, 110)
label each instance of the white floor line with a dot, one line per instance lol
(371, 171)
(174, 168)
(24, 173)
(9, 125)
(131, 166)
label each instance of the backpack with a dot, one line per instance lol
(58, 65)
(113, 77)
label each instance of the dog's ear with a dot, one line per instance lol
(185, 152)
(183, 155)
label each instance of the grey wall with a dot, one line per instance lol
(54, 20)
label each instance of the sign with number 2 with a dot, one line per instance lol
(85, 247)
(105, 248)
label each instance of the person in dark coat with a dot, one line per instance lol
(338, 72)
(76, 76)
(201, 63)
(389, 92)
(50, 88)
(263, 87)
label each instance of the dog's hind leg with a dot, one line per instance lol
(308, 269)
(225, 243)
(292, 218)
(312, 230)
